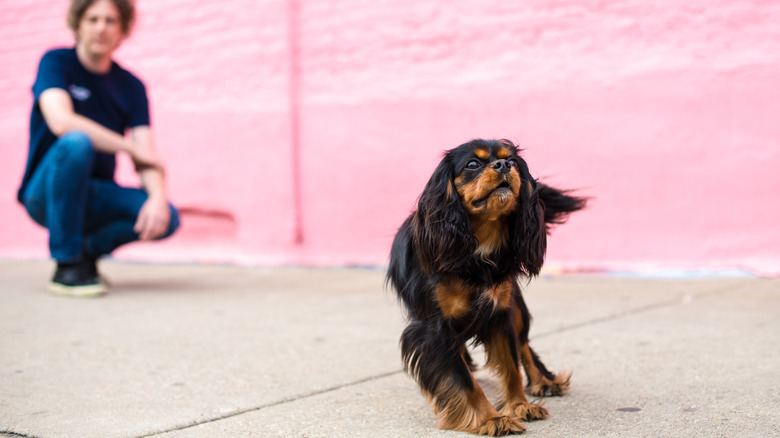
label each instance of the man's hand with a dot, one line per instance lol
(153, 219)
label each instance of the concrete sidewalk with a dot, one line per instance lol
(221, 351)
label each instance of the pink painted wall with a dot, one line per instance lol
(302, 131)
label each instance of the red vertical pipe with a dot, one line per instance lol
(293, 37)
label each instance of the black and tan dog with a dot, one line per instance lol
(481, 224)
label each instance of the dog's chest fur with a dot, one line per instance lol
(457, 299)
(490, 235)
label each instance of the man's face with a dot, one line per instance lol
(100, 30)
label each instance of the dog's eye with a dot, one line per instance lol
(473, 165)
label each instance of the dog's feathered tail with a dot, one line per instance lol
(558, 204)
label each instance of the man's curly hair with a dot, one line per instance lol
(126, 10)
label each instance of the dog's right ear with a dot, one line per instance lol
(441, 229)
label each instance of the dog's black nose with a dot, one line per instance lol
(502, 166)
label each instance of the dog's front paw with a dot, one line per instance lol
(524, 411)
(500, 426)
(556, 387)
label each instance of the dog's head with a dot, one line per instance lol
(490, 175)
(481, 200)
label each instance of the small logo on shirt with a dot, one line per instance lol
(79, 93)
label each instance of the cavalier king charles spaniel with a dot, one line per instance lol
(481, 224)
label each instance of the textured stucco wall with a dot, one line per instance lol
(302, 131)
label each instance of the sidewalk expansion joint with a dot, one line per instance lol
(635, 311)
(9, 434)
(272, 404)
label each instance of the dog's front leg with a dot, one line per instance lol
(435, 359)
(502, 353)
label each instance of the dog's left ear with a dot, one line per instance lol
(528, 232)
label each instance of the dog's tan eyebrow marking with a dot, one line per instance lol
(482, 153)
(503, 153)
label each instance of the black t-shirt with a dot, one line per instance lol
(116, 100)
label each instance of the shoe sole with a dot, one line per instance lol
(88, 291)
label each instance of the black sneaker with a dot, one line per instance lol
(91, 267)
(77, 280)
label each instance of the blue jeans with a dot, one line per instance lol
(83, 215)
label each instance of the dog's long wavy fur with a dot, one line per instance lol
(458, 290)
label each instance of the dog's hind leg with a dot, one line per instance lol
(469, 361)
(435, 360)
(541, 381)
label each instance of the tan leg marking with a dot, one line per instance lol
(515, 404)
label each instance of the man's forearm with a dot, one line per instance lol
(103, 139)
(153, 182)
(59, 115)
